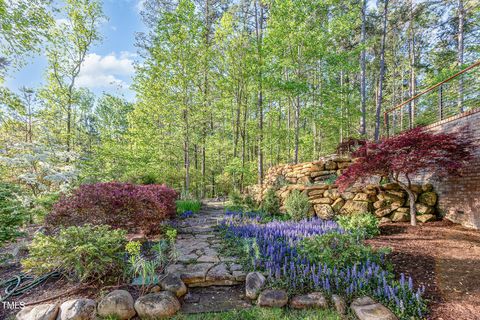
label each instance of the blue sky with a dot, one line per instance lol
(109, 64)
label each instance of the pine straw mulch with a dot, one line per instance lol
(444, 257)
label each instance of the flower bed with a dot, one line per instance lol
(275, 249)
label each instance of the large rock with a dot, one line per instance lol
(172, 282)
(159, 305)
(332, 194)
(365, 308)
(78, 309)
(118, 303)
(309, 301)
(355, 207)
(391, 198)
(399, 216)
(324, 211)
(340, 304)
(426, 218)
(428, 198)
(321, 201)
(273, 298)
(40, 312)
(254, 283)
(331, 165)
(427, 187)
(338, 204)
(364, 197)
(423, 209)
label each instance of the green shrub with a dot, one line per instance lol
(87, 253)
(271, 204)
(250, 204)
(12, 213)
(188, 205)
(340, 250)
(297, 205)
(235, 199)
(365, 224)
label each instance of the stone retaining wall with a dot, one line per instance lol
(316, 179)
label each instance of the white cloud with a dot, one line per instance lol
(107, 71)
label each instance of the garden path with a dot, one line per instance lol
(216, 282)
(199, 263)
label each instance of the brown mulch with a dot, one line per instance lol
(444, 257)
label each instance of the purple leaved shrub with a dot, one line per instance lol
(135, 208)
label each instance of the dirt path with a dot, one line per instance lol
(445, 258)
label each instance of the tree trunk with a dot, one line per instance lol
(382, 73)
(363, 95)
(259, 17)
(461, 23)
(412, 87)
(297, 129)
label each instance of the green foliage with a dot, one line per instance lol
(271, 203)
(87, 253)
(297, 205)
(331, 179)
(249, 204)
(340, 250)
(12, 213)
(188, 205)
(365, 224)
(259, 313)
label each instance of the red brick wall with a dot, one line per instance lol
(459, 196)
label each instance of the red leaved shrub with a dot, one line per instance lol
(135, 208)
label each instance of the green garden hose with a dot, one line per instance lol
(20, 284)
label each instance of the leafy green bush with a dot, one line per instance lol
(297, 205)
(235, 199)
(250, 204)
(271, 203)
(365, 224)
(340, 250)
(12, 213)
(87, 253)
(188, 205)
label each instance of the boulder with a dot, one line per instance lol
(331, 165)
(382, 212)
(399, 216)
(332, 194)
(427, 187)
(404, 209)
(309, 301)
(385, 220)
(324, 211)
(365, 308)
(423, 209)
(118, 303)
(340, 304)
(355, 207)
(38, 312)
(428, 198)
(322, 201)
(364, 197)
(348, 195)
(273, 298)
(78, 309)
(426, 218)
(338, 204)
(254, 283)
(391, 198)
(157, 305)
(380, 204)
(391, 186)
(173, 283)
(416, 188)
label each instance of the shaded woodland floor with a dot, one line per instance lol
(442, 256)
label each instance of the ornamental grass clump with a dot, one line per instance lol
(135, 208)
(297, 205)
(278, 249)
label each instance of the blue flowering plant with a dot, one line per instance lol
(278, 249)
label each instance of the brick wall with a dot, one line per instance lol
(459, 196)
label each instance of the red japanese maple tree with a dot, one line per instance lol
(401, 157)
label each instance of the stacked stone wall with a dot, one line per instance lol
(316, 179)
